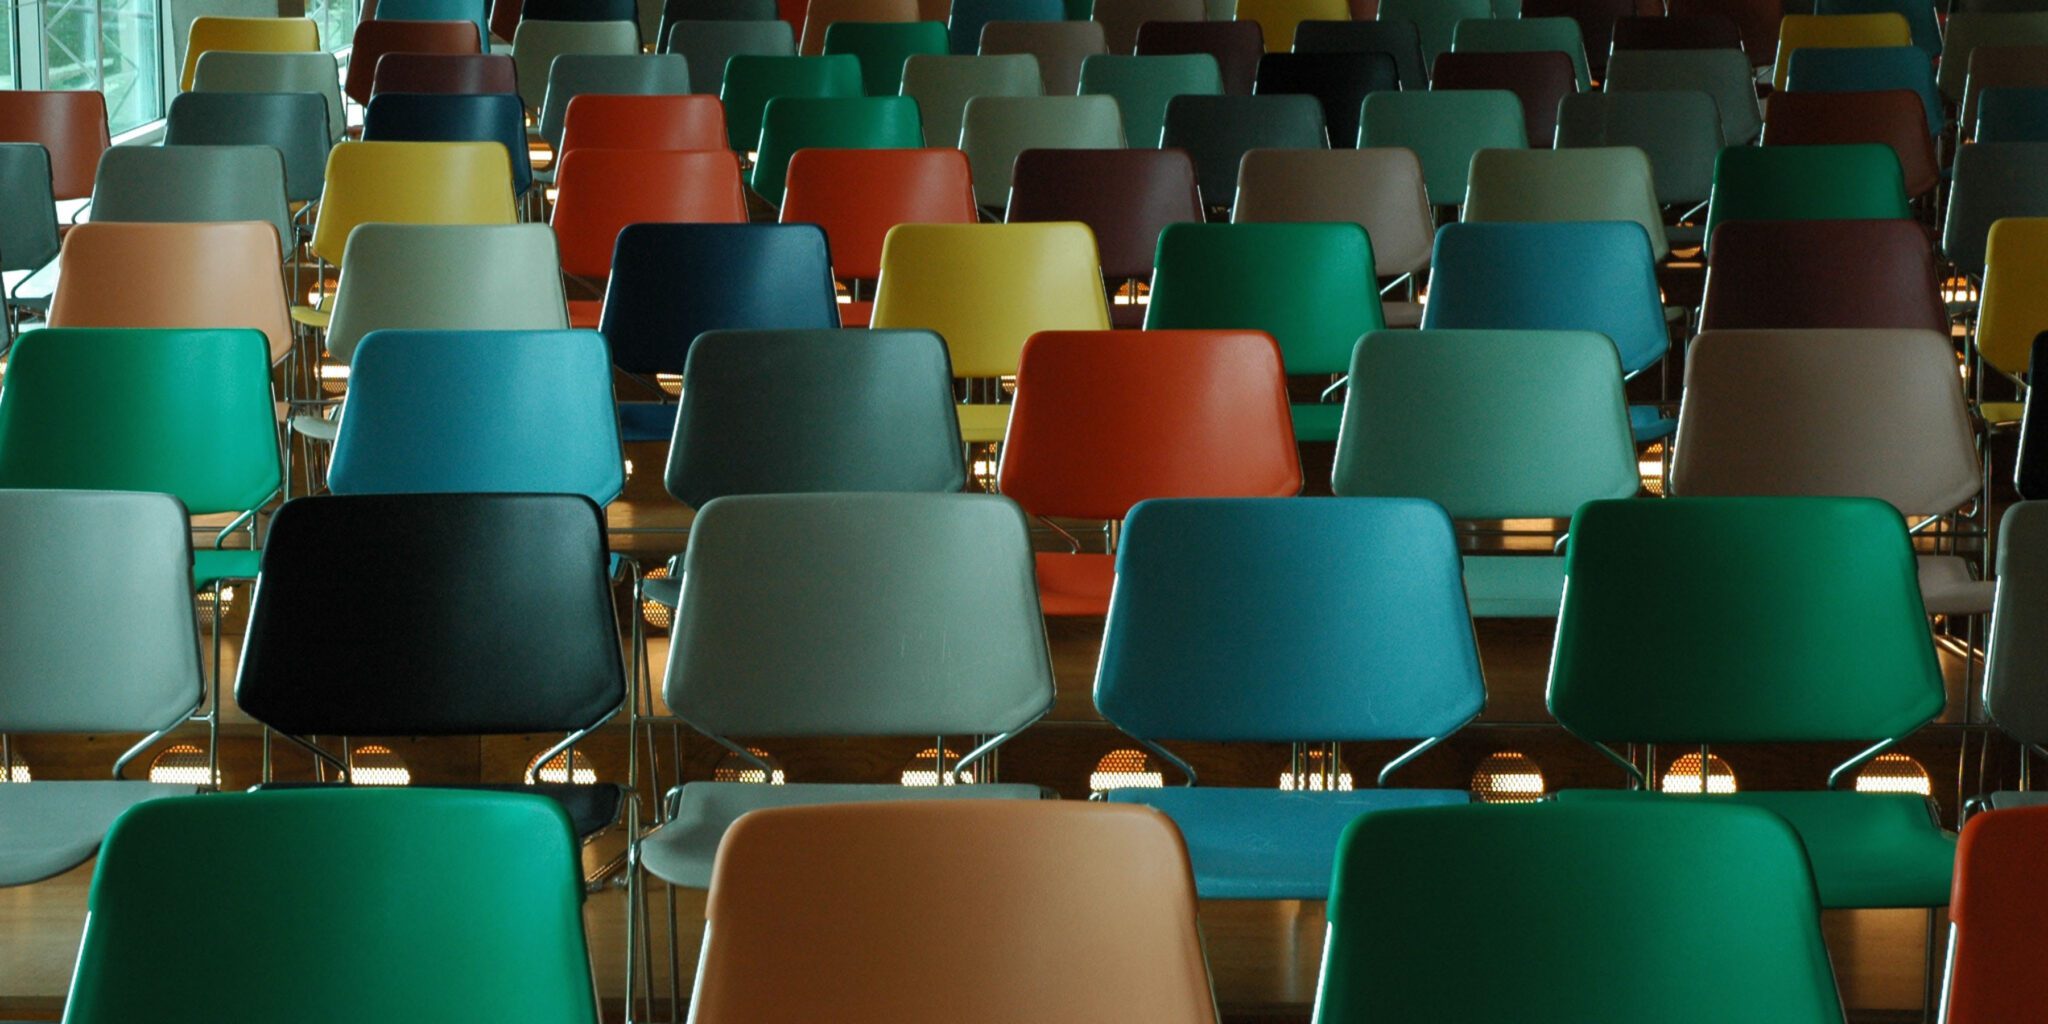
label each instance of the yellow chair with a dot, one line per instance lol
(985, 288)
(1837, 30)
(2013, 307)
(246, 35)
(1277, 18)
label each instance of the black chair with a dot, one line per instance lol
(1396, 39)
(439, 615)
(1126, 196)
(1339, 81)
(293, 123)
(2031, 475)
(453, 117)
(1218, 130)
(579, 10)
(1236, 45)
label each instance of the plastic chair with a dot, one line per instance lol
(1378, 189)
(601, 191)
(2030, 474)
(208, 33)
(185, 275)
(436, 10)
(536, 44)
(1121, 19)
(70, 124)
(578, 10)
(1060, 46)
(1338, 81)
(1722, 74)
(696, 12)
(1435, 21)
(294, 124)
(1733, 899)
(1800, 275)
(1129, 948)
(985, 288)
(857, 195)
(882, 47)
(1869, 69)
(444, 73)
(1595, 20)
(1676, 32)
(1525, 34)
(1965, 31)
(1539, 80)
(1853, 182)
(1999, 67)
(410, 183)
(2012, 304)
(791, 124)
(449, 117)
(1546, 185)
(751, 81)
(943, 85)
(1188, 414)
(1310, 286)
(443, 277)
(1217, 131)
(159, 184)
(597, 121)
(1125, 196)
(892, 580)
(1278, 19)
(1997, 897)
(1921, 23)
(1443, 129)
(995, 129)
(1894, 118)
(707, 45)
(963, 26)
(1236, 45)
(1799, 31)
(499, 865)
(91, 554)
(1993, 181)
(633, 74)
(28, 224)
(376, 37)
(1756, 22)
(224, 71)
(2012, 115)
(1763, 598)
(1396, 39)
(2012, 688)
(1680, 133)
(822, 14)
(1142, 86)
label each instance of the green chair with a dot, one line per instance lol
(1525, 35)
(1435, 21)
(1444, 129)
(791, 123)
(942, 85)
(1310, 286)
(883, 46)
(1566, 913)
(995, 129)
(1142, 85)
(1777, 620)
(418, 904)
(751, 81)
(1858, 182)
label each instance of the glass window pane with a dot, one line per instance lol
(113, 45)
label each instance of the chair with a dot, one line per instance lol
(2012, 115)
(1999, 67)
(1680, 133)
(1310, 286)
(1338, 81)
(995, 129)
(1443, 129)
(600, 121)
(1894, 118)
(435, 10)
(376, 37)
(1722, 74)
(1435, 21)
(1799, 31)
(1595, 20)
(1526, 34)
(857, 195)
(528, 643)
(446, 277)
(1187, 414)
(1733, 899)
(673, 11)
(444, 73)
(1060, 46)
(1125, 196)
(822, 14)
(943, 85)
(1997, 894)
(1396, 39)
(633, 74)
(1539, 80)
(1378, 189)
(1872, 413)
(70, 124)
(1142, 86)
(294, 124)
(882, 48)
(791, 124)
(1802, 275)
(317, 73)
(2012, 690)
(1756, 21)
(1278, 19)
(1121, 19)
(1548, 185)
(1869, 69)
(985, 288)
(1236, 45)
(707, 45)
(159, 184)
(1217, 131)
(601, 191)
(1120, 942)
(1993, 181)
(1762, 598)
(91, 554)
(397, 878)
(1677, 32)
(963, 26)
(751, 81)
(410, 183)
(28, 224)
(536, 44)
(1852, 182)
(208, 33)
(1968, 30)
(2030, 474)
(578, 10)
(186, 275)
(2010, 311)
(892, 580)
(453, 117)
(1922, 25)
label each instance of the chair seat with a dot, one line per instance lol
(2001, 412)
(1075, 584)
(1648, 423)
(1869, 850)
(591, 808)
(1514, 586)
(1947, 588)
(681, 851)
(1266, 844)
(310, 317)
(856, 314)
(584, 313)
(983, 423)
(1317, 421)
(211, 564)
(1401, 314)
(53, 827)
(647, 421)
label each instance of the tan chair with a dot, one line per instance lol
(1381, 189)
(1060, 47)
(214, 274)
(1600, 183)
(536, 44)
(823, 13)
(1862, 413)
(447, 277)
(1121, 18)
(1052, 911)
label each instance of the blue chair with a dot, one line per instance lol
(2012, 115)
(1919, 15)
(452, 117)
(1285, 620)
(1565, 276)
(963, 28)
(672, 282)
(1868, 69)
(439, 10)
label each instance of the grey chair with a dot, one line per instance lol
(708, 44)
(1679, 131)
(2016, 665)
(233, 71)
(997, 128)
(943, 85)
(1217, 131)
(1723, 74)
(168, 184)
(78, 560)
(637, 74)
(674, 12)
(293, 123)
(536, 44)
(28, 225)
(490, 277)
(1992, 181)
(1060, 47)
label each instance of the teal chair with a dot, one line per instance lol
(1142, 85)
(752, 80)
(882, 47)
(1444, 129)
(1525, 35)
(791, 123)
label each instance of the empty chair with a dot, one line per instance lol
(293, 123)
(2011, 309)
(1997, 895)
(1277, 19)
(1799, 31)
(674, 12)
(410, 183)
(943, 85)
(376, 37)
(1526, 34)
(1185, 414)
(882, 48)
(1236, 45)
(1609, 183)
(536, 44)
(997, 128)
(601, 191)
(452, 117)
(1852, 182)
(1756, 23)
(191, 275)
(1675, 32)
(1680, 132)
(445, 73)
(1339, 81)
(1540, 80)
(1894, 118)
(1121, 19)
(1922, 23)
(208, 33)
(160, 184)
(857, 195)
(1378, 189)
(1993, 181)
(436, 10)
(1822, 274)
(1595, 20)
(1999, 67)
(821, 15)
(1722, 74)
(603, 121)
(28, 225)
(70, 124)
(317, 73)
(2012, 115)
(1435, 21)
(1965, 31)
(707, 45)
(862, 122)
(1125, 196)
(751, 81)
(2012, 686)
(1444, 129)
(964, 24)
(1869, 69)
(1217, 131)
(1396, 39)
(635, 74)
(446, 277)
(1060, 46)
(1142, 86)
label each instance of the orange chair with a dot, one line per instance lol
(376, 37)
(857, 195)
(217, 274)
(601, 121)
(70, 123)
(1106, 419)
(821, 14)
(1994, 971)
(600, 191)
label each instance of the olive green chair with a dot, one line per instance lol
(882, 48)
(791, 123)
(995, 129)
(1586, 912)
(1444, 129)
(751, 81)
(1604, 183)
(1525, 35)
(1776, 620)
(942, 85)
(1724, 74)
(1857, 182)
(1142, 85)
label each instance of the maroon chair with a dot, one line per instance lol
(1756, 21)
(1541, 80)
(1596, 20)
(1126, 196)
(1687, 32)
(1236, 45)
(376, 37)
(70, 123)
(1795, 275)
(1894, 117)
(470, 73)
(504, 17)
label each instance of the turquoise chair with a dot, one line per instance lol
(1285, 620)
(1143, 85)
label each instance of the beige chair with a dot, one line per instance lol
(220, 274)
(997, 128)
(1060, 47)
(942, 85)
(536, 44)
(1600, 183)
(1381, 189)
(1863, 413)
(1121, 18)
(446, 277)
(821, 14)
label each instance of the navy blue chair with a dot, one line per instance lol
(963, 29)
(2012, 115)
(451, 117)
(1868, 69)
(1286, 620)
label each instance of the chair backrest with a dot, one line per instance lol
(495, 613)
(601, 121)
(1680, 133)
(1444, 129)
(1142, 86)
(410, 183)
(436, 10)
(1338, 81)
(821, 15)
(1540, 80)
(1606, 183)
(194, 184)
(987, 287)
(376, 37)
(882, 48)
(1121, 19)
(1526, 34)
(674, 12)
(1310, 286)
(124, 556)
(1790, 619)
(964, 24)
(2030, 469)
(1594, 19)
(1129, 947)
(793, 123)
(2013, 691)
(1894, 117)
(1676, 32)
(631, 74)
(445, 277)
(810, 411)
(198, 275)
(1998, 899)
(943, 85)
(1756, 22)
(707, 45)
(995, 129)
(195, 418)
(751, 81)
(1921, 22)
(1106, 419)
(1993, 181)
(1999, 67)
(1584, 276)
(1965, 31)
(454, 117)
(70, 123)
(1817, 274)
(857, 195)
(1378, 189)
(1435, 21)
(28, 211)
(598, 192)
(208, 33)
(445, 73)
(1396, 39)
(1236, 45)
(1822, 31)
(1722, 74)
(1734, 899)
(1060, 46)
(1869, 69)
(293, 123)
(2013, 306)
(1547, 430)
(578, 10)
(2010, 114)
(537, 43)
(229, 71)
(1853, 182)
(1278, 19)
(1217, 131)
(841, 615)
(741, 276)
(1125, 196)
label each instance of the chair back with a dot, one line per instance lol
(1443, 129)
(1396, 39)
(1142, 86)
(196, 275)
(608, 74)
(317, 73)
(1893, 118)
(1125, 196)
(1236, 45)
(821, 15)
(1992, 181)
(740, 277)
(1723, 74)
(1922, 23)
(410, 183)
(1217, 131)
(1584, 276)
(1680, 133)
(1060, 46)
(1799, 274)
(28, 210)
(437, 10)
(1594, 20)
(2013, 308)
(857, 195)
(1121, 19)
(1869, 69)
(1998, 67)
(376, 37)
(598, 192)
(1279, 19)
(2013, 692)
(751, 81)
(1966, 30)
(883, 46)
(1998, 897)
(70, 123)
(987, 287)
(536, 44)
(1756, 23)
(1526, 34)
(1380, 190)
(942, 85)
(293, 123)
(1310, 286)
(1825, 31)
(1435, 21)
(792, 123)
(1854, 182)
(446, 277)
(1338, 81)
(1540, 80)
(2012, 114)
(454, 117)
(995, 129)
(707, 45)
(1549, 185)
(208, 33)
(601, 121)
(964, 24)
(192, 184)
(1676, 32)
(463, 73)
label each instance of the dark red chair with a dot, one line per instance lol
(1797, 275)
(1236, 45)
(377, 37)
(1756, 21)
(70, 123)
(1894, 117)
(1126, 196)
(1596, 20)
(1541, 80)
(2000, 897)
(1687, 32)
(461, 73)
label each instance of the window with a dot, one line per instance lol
(7, 58)
(113, 46)
(337, 21)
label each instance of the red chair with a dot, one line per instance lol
(1995, 971)
(1106, 419)
(1894, 117)
(1756, 21)
(504, 18)
(1541, 80)
(71, 124)
(1126, 196)
(1799, 275)
(463, 73)
(1236, 45)
(603, 121)
(857, 195)
(600, 191)
(376, 37)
